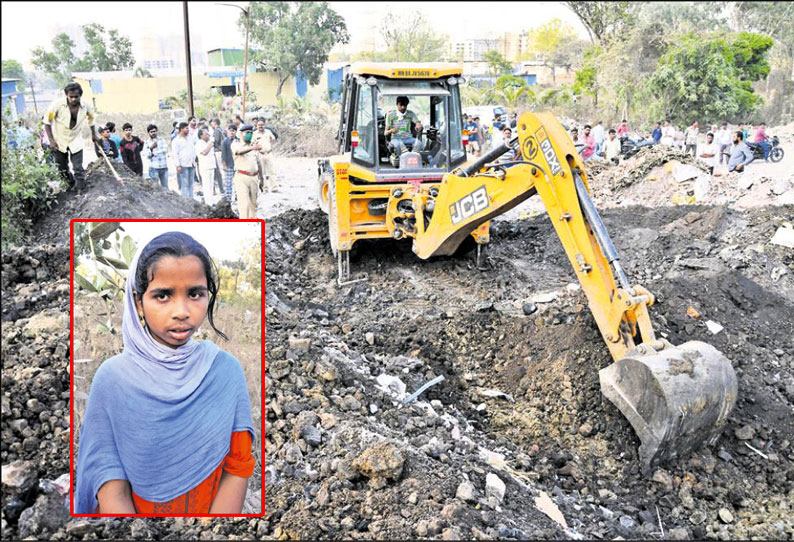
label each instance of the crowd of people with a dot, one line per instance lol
(234, 163)
(718, 145)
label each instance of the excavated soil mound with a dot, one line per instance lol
(106, 198)
(35, 373)
(520, 398)
(659, 176)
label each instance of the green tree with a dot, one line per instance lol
(294, 37)
(683, 17)
(625, 66)
(107, 53)
(57, 63)
(497, 64)
(104, 54)
(604, 20)
(556, 44)
(472, 95)
(409, 38)
(709, 77)
(13, 70)
(775, 19)
(586, 82)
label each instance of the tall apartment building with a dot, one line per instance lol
(510, 45)
(157, 51)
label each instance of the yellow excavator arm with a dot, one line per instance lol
(675, 397)
(552, 168)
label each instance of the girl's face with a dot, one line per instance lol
(176, 301)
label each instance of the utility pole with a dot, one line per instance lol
(33, 92)
(245, 55)
(187, 61)
(247, 13)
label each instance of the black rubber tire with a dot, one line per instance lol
(776, 154)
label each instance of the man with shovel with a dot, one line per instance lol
(64, 123)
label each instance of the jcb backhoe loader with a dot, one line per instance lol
(675, 397)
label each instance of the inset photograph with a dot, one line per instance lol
(167, 355)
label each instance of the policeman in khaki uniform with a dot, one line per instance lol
(265, 139)
(246, 168)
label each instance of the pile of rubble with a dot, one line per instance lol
(659, 176)
(433, 400)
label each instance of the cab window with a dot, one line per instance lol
(456, 152)
(366, 127)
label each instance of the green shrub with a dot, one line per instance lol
(26, 190)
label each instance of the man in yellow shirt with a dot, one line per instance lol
(246, 171)
(64, 124)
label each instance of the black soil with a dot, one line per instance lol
(443, 317)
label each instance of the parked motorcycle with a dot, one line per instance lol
(630, 147)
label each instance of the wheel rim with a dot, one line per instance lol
(776, 155)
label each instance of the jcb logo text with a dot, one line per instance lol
(469, 205)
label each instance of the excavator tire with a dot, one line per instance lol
(323, 190)
(676, 399)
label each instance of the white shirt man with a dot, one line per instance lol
(709, 153)
(723, 140)
(206, 160)
(612, 147)
(599, 136)
(668, 134)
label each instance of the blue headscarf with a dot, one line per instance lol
(159, 417)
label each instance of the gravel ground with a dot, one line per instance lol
(328, 350)
(515, 442)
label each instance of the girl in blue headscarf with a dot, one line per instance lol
(168, 426)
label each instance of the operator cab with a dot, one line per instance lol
(424, 135)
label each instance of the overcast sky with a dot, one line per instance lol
(223, 240)
(26, 25)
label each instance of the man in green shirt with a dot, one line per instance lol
(398, 124)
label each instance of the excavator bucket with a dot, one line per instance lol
(676, 399)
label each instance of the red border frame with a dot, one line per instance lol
(71, 371)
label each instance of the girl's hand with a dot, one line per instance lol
(115, 497)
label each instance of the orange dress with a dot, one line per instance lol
(239, 461)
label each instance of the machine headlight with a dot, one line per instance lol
(371, 81)
(452, 81)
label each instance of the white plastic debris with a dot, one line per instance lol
(494, 487)
(714, 327)
(702, 187)
(497, 393)
(547, 506)
(784, 236)
(685, 172)
(494, 459)
(391, 385)
(420, 391)
(544, 297)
